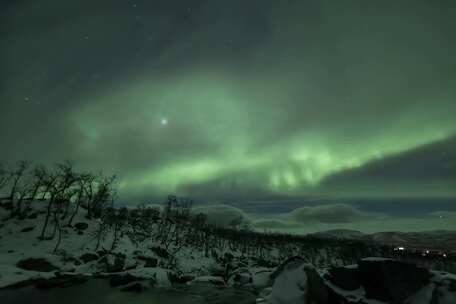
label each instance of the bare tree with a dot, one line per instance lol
(39, 174)
(101, 232)
(85, 181)
(58, 189)
(4, 176)
(57, 210)
(23, 190)
(16, 175)
(102, 195)
(116, 219)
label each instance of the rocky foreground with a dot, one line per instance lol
(372, 280)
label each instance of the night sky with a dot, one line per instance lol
(235, 100)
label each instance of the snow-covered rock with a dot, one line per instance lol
(390, 280)
(297, 282)
(209, 279)
(40, 264)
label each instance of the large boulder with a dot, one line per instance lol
(444, 293)
(345, 277)
(36, 264)
(81, 226)
(148, 260)
(160, 252)
(112, 262)
(390, 280)
(88, 257)
(27, 229)
(296, 282)
(261, 277)
(32, 216)
(240, 277)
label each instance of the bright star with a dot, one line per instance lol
(164, 121)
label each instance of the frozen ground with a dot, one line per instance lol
(188, 276)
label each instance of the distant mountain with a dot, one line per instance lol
(340, 234)
(432, 240)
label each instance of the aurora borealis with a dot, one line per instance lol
(234, 99)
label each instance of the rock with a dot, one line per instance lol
(297, 282)
(71, 259)
(27, 229)
(134, 287)
(240, 277)
(102, 252)
(81, 226)
(149, 261)
(285, 264)
(183, 279)
(160, 252)
(318, 292)
(32, 216)
(130, 263)
(124, 279)
(112, 262)
(261, 277)
(36, 264)
(346, 277)
(228, 256)
(7, 205)
(175, 278)
(216, 270)
(451, 284)
(390, 280)
(88, 257)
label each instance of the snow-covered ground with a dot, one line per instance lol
(19, 240)
(294, 281)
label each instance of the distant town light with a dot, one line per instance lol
(399, 248)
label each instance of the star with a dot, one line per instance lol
(164, 121)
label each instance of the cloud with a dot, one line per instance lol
(342, 216)
(331, 214)
(429, 168)
(274, 224)
(221, 215)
